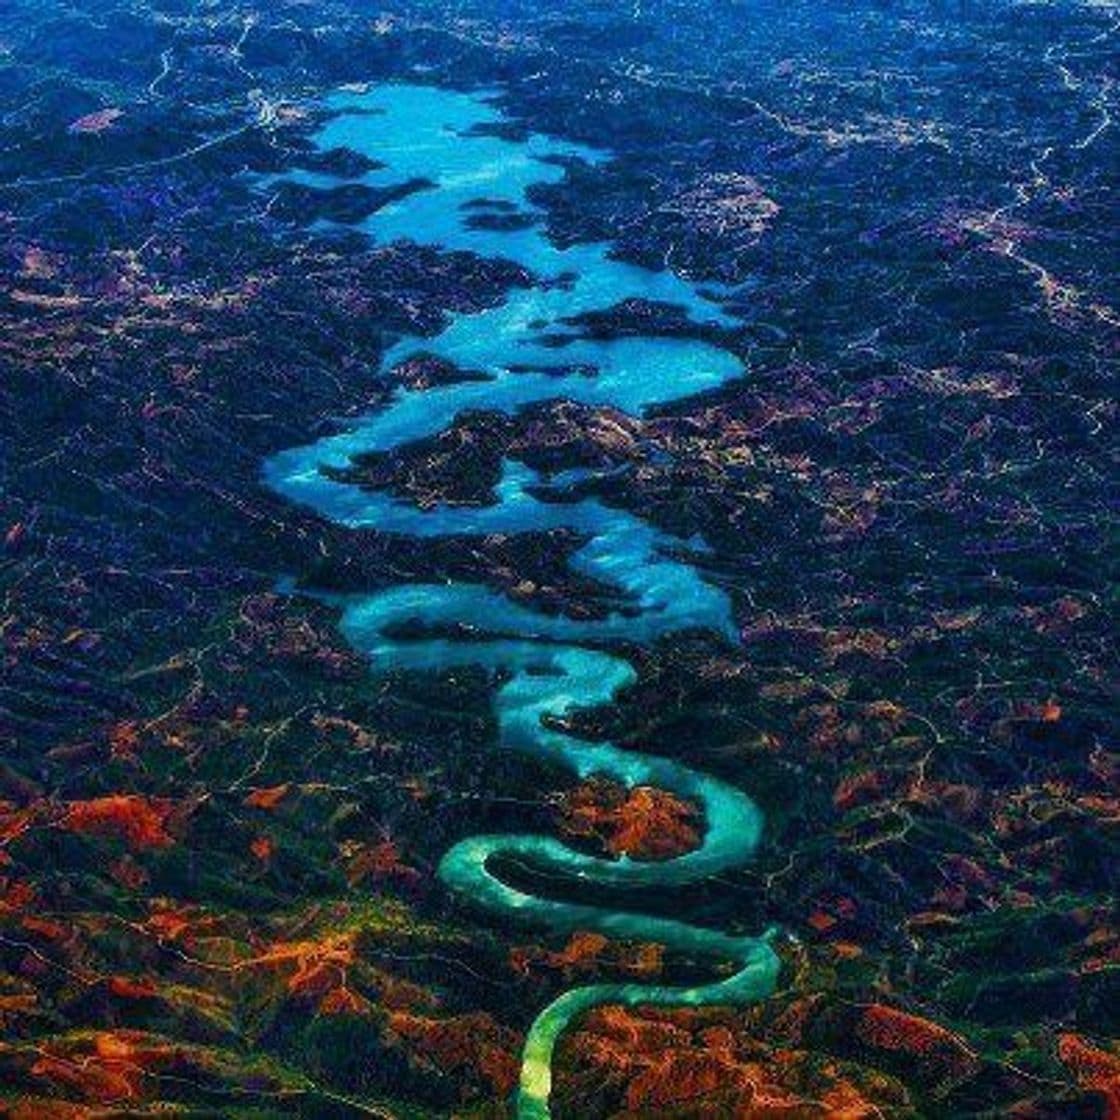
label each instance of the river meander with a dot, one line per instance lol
(549, 664)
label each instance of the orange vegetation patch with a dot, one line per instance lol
(476, 1043)
(167, 923)
(1095, 1069)
(678, 1078)
(859, 789)
(45, 928)
(821, 921)
(316, 972)
(15, 1006)
(125, 987)
(107, 1067)
(643, 822)
(397, 994)
(344, 1001)
(940, 1052)
(684, 1063)
(190, 927)
(378, 862)
(124, 739)
(16, 820)
(42, 1108)
(313, 965)
(1050, 712)
(831, 911)
(128, 873)
(16, 895)
(141, 822)
(588, 953)
(267, 798)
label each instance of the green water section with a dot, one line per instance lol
(549, 666)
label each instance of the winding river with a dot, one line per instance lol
(550, 665)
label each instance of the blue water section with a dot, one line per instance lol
(549, 665)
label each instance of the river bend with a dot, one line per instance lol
(549, 665)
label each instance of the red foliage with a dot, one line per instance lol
(124, 739)
(45, 928)
(1095, 1069)
(396, 994)
(821, 921)
(141, 822)
(167, 923)
(127, 988)
(344, 1001)
(15, 895)
(677, 1078)
(939, 1050)
(15, 821)
(316, 972)
(267, 798)
(588, 953)
(473, 1042)
(858, 789)
(40, 1108)
(643, 823)
(109, 1067)
(128, 873)
(682, 1063)
(377, 861)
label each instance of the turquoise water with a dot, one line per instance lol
(550, 665)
